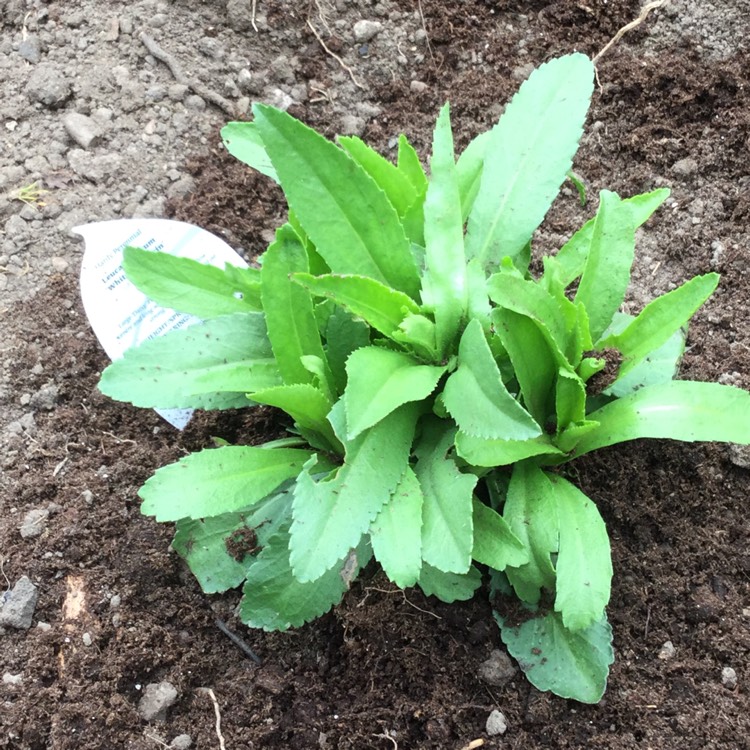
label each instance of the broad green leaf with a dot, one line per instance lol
(570, 261)
(219, 549)
(531, 512)
(534, 364)
(211, 365)
(381, 380)
(483, 452)
(570, 399)
(307, 405)
(344, 212)
(447, 531)
(494, 543)
(680, 410)
(392, 181)
(380, 306)
(410, 166)
(469, 171)
(218, 480)
(244, 142)
(444, 284)
(396, 532)
(273, 599)
(584, 562)
(570, 664)
(418, 333)
(330, 516)
(344, 334)
(606, 275)
(660, 320)
(449, 587)
(477, 398)
(528, 156)
(188, 286)
(288, 308)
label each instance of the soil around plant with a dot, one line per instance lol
(118, 611)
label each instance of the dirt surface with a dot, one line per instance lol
(116, 609)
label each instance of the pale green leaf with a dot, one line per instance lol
(477, 398)
(243, 141)
(410, 166)
(344, 334)
(346, 215)
(396, 532)
(418, 333)
(570, 399)
(449, 587)
(494, 542)
(381, 380)
(527, 158)
(218, 480)
(484, 452)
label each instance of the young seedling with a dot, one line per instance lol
(437, 387)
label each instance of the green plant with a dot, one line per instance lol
(436, 386)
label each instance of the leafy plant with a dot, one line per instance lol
(436, 386)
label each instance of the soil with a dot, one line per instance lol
(117, 610)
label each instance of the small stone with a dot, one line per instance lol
(240, 14)
(739, 455)
(59, 264)
(45, 627)
(417, 87)
(177, 92)
(498, 669)
(112, 32)
(30, 49)
(12, 679)
(685, 167)
(729, 678)
(115, 601)
(496, 723)
(18, 609)
(94, 167)
(48, 86)
(87, 639)
(158, 20)
(82, 129)
(45, 398)
(352, 125)
(279, 99)
(157, 698)
(34, 523)
(366, 30)
(195, 102)
(667, 651)
(181, 742)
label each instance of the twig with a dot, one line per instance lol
(387, 736)
(237, 641)
(628, 26)
(212, 696)
(252, 15)
(192, 83)
(335, 57)
(426, 35)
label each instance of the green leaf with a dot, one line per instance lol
(244, 142)
(483, 452)
(288, 308)
(380, 306)
(494, 542)
(219, 549)
(444, 284)
(211, 365)
(449, 587)
(570, 664)
(531, 513)
(418, 333)
(344, 334)
(447, 531)
(396, 532)
(606, 275)
(527, 158)
(218, 480)
(344, 212)
(534, 364)
(680, 410)
(392, 181)
(273, 599)
(570, 399)
(381, 380)
(469, 171)
(410, 166)
(584, 562)
(660, 320)
(331, 515)
(186, 285)
(476, 397)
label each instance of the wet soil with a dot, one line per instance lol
(390, 669)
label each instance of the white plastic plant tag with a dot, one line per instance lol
(119, 314)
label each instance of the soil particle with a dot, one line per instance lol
(498, 669)
(17, 606)
(157, 698)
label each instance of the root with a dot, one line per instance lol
(629, 26)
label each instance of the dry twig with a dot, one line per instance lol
(212, 696)
(629, 26)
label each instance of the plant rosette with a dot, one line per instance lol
(437, 387)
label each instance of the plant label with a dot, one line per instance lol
(120, 315)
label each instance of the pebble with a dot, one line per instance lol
(352, 125)
(157, 698)
(94, 167)
(59, 264)
(48, 86)
(18, 609)
(87, 639)
(30, 49)
(34, 523)
(12, 679)
(82, 129)
(45, 398)
(417, 87)
(496, 723)
(667, 651)
(729, 678)
(239, 14)
(739, 455)
(181, 742)
(365, 30)
(498, 669)
(685, 167)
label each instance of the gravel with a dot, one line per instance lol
(157, 698)
(18, 608)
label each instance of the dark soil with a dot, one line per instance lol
(388, 668)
